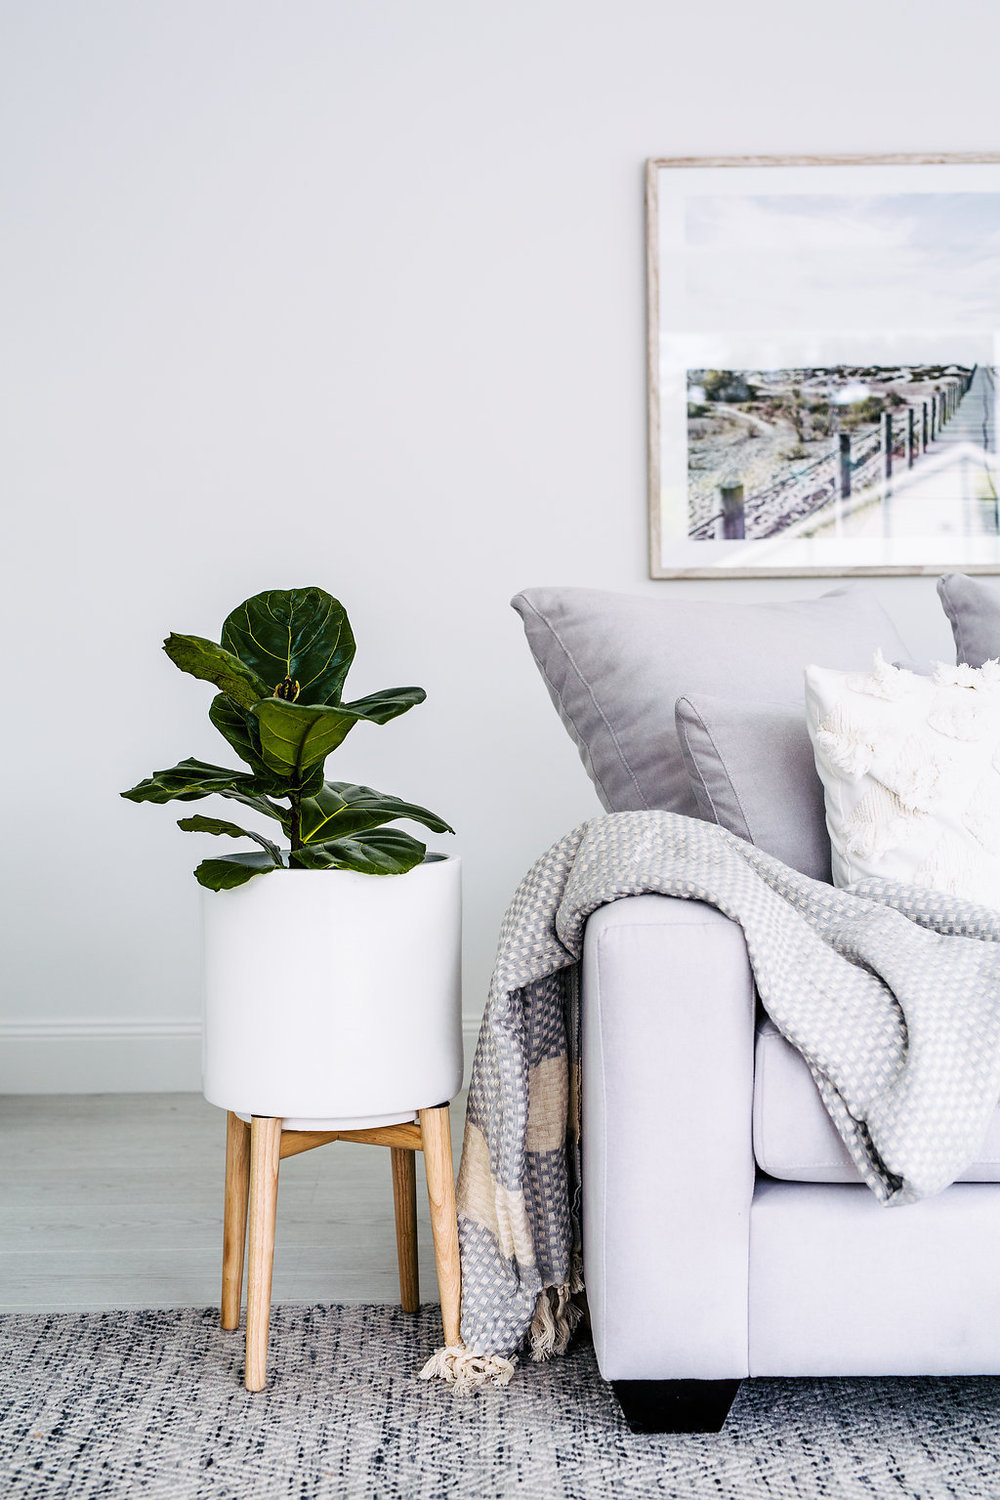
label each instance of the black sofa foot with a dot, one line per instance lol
(675, 1405)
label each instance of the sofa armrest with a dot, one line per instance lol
(667, 1005)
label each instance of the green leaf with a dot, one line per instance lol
(303, 634)
(199, 824)
(296, 736)
(388, 704)
(204, 659)
(242, 731)
(260, 804)
(187, 781)
(386, 851)
(342, 809)
(311, 781)
(318, 813)
(237, 869)
(193, 779)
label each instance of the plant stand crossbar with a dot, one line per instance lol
(253, 1154)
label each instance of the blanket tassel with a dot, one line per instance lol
(556, 1316)
(464, 1371)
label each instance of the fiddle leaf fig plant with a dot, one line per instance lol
(280, 668)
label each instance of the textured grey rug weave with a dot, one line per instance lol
(151, 1404)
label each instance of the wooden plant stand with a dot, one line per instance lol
(253, 1154)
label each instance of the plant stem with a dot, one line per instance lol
(295, 798)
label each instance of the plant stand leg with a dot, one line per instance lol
(435, 1131)
(234, 1217)
(404, 1197)
(265, 1153)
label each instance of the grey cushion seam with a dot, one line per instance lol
(711, 738)
(693, 768)
(597, 707)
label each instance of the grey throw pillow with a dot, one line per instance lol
(615, 665)
(752, 770)
(973, 607)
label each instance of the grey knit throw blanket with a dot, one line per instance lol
(890, 992)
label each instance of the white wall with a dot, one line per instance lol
(350, 294)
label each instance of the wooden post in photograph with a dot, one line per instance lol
(733, 516)
(887, 444)
(923, 427)
(911, 436)
(934, 418)
(844, 444)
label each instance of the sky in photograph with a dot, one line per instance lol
(792, 263)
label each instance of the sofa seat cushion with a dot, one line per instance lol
(794, 1137)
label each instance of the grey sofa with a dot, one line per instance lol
(726, 1231)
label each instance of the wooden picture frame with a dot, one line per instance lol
(823, 336)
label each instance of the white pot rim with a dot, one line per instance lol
(431, 861)
(431, 858)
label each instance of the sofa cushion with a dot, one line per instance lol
(752, 769)
(973, 607)
(794, 1137)
(615, 665)
(911, 770)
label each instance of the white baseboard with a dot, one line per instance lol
(116, 1056)
(96, 1056)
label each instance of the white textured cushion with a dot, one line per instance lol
(911, 774)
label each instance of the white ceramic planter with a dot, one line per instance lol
(333, 999)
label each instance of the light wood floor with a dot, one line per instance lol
(115, 1200)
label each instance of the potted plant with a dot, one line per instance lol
(331, 985)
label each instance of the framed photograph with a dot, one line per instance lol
(823, 356)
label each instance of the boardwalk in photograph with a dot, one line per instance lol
(950, 491)
(975, 420)
(845, 453)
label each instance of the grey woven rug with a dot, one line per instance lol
(151, 1404)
